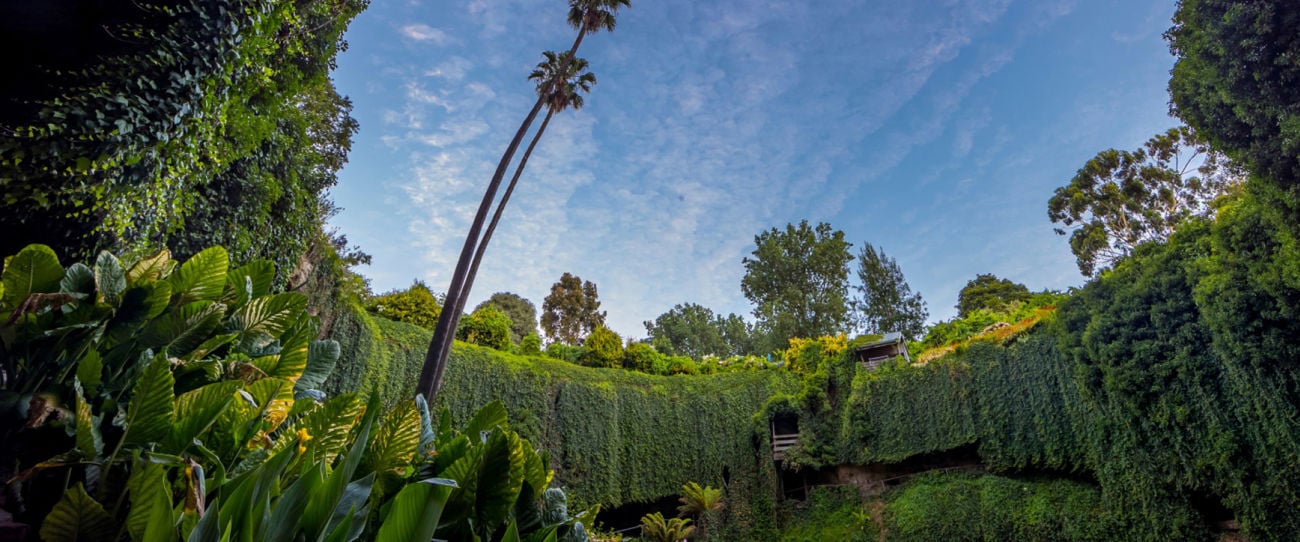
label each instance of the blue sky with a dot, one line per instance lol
(936, 130)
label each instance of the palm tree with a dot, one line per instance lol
(586, 16)
(565, 94)
(698, 501)
(655, 528)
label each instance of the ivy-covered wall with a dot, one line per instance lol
(614, 436)
(1139, 383)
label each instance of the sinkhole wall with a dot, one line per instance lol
(614, 437)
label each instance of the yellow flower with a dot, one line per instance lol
(303, 437)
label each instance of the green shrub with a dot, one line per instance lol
(415, 305)
(830, 513)
(642, 357)
(604, 348)
(979, 507)
(682, 365)
(530, 345)
(488, 326)
(565, 352)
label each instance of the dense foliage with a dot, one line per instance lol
(987, 291)
(614, 437)
(998, 316)
(602, 348)
(798, 280)
(1121, 199)
(522, 313)
(829, 513)
(1141, 381)
(975, 508)
(571, 310)
(1235, 82)
(694, 330)
(884, 302)
(183, 123)
(488, 327)
(415, 305)
(163, 401)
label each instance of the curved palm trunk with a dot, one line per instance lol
(435, 360)
(496, 217)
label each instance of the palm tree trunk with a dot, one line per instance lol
(435, 359)
(496, 217)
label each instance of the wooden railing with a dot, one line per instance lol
(781, 443)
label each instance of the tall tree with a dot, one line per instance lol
(798, 282)
(987, 291)
(561, 82)
(1120, 199)
(738, 334)
(1235, 82)
(522, 313)
(571, 310)
(693, 330)
(885, 303)
(586, 16)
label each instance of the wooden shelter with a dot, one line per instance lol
(873, 354)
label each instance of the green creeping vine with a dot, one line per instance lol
(614, 436)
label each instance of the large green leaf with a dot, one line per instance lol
(329, 426)
(414, 513)
(536, 472)
(150, 415)
(464, 471)
(89, 441)
(395, 445)
(249, 281)
(294, 352)
(547, 534)
(246, 499)
(34, 269)
(181, 331)
(287, 515)
(139, 305)
(450, 452)
(328, 503)
(90, 371)
(490, 416)
(201, 278)
(197, 410)
(77, 518)
(209, 346)
(512, 533)
(78, 279)
(152, 268)
(110, 279)
(322, 356)
(352, 504)
(265, 318)
(151, 501)
(500, 477)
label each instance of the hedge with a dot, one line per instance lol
(615, 436)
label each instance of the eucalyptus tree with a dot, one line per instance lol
(586, 16)
(1121, 199)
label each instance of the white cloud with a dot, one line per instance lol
(424, 32)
